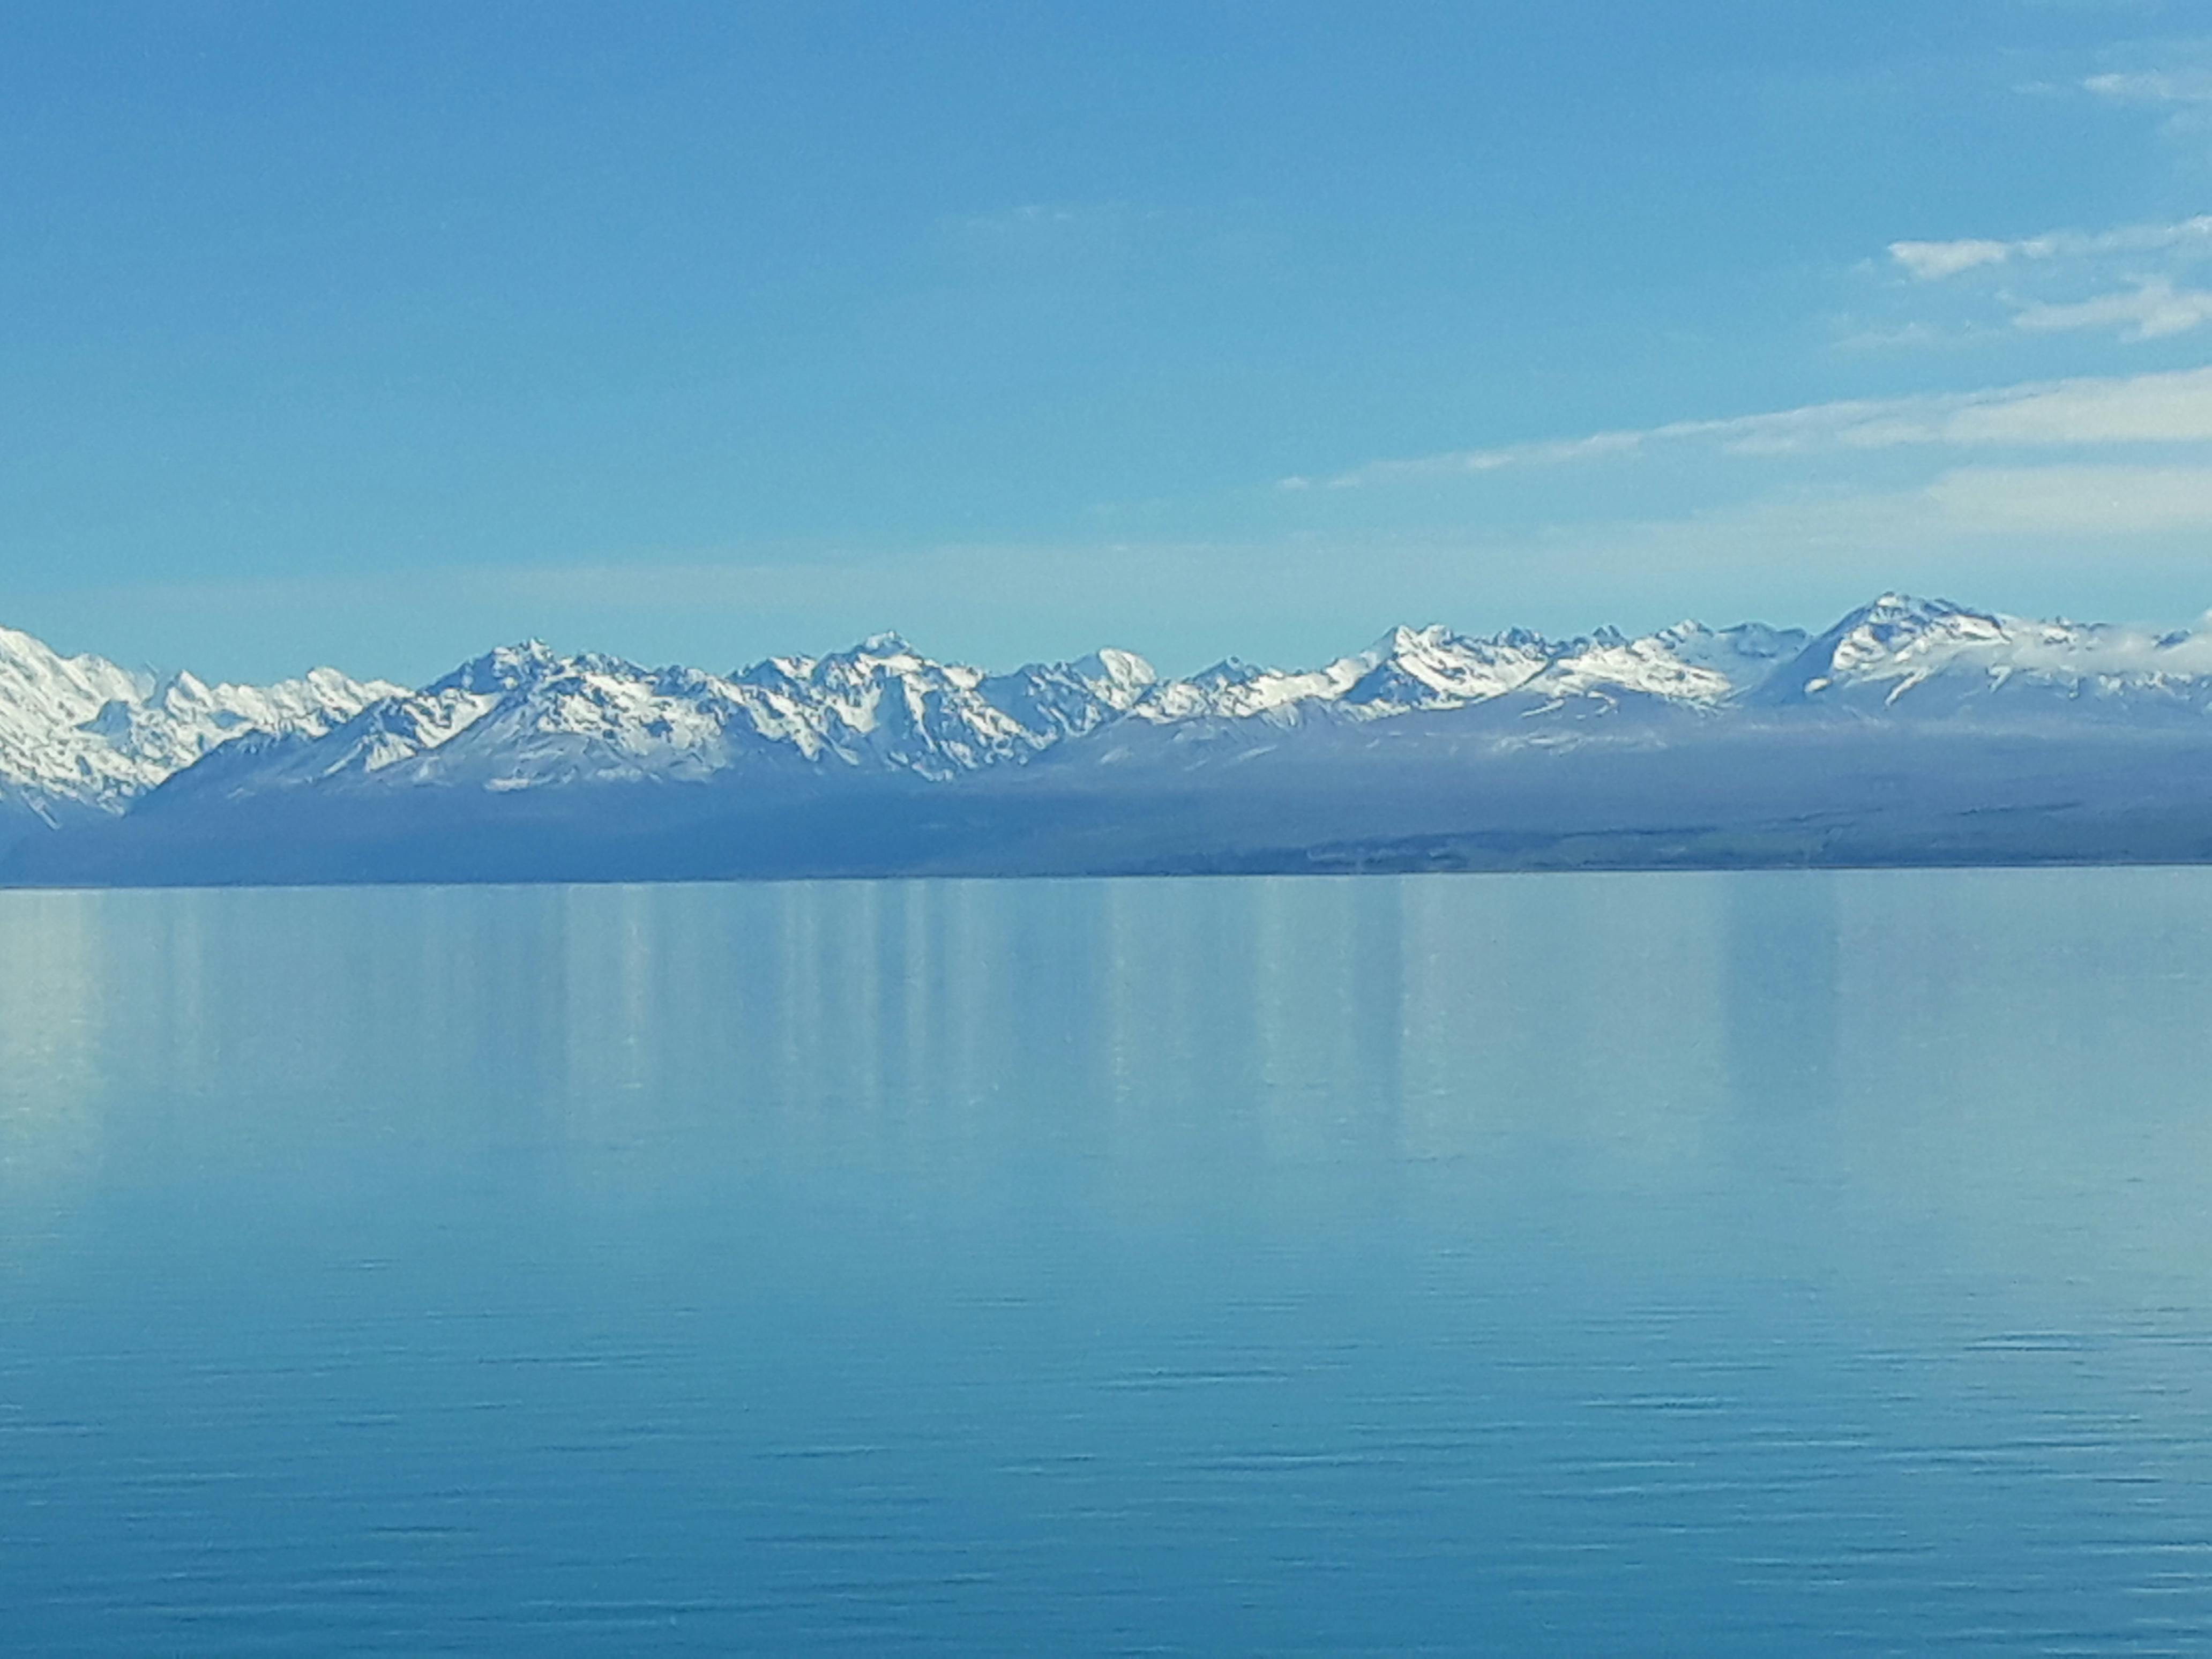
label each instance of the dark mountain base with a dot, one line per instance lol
(1799, 798)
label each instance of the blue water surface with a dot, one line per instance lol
(1673, 1264)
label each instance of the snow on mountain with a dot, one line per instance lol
(1236, 691)
(522, 717)
(1407, 668)
(1052, 701)
(1688, 666)
(1904, 656)
(1745, 655)
(883, 703)
(81, 732)
(1434, 668)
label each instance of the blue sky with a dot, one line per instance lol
(373, 335)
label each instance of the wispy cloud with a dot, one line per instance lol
(2175, 88)
(1932, 261)
(2189, 86)
(2127, 280)
(2141, 408)
(2056, 501)
(2152, 311)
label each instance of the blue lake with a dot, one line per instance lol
(1671, 1264)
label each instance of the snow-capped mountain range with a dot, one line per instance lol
(81, 733)
(1911, 730)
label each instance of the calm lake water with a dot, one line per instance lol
(1616, 1264)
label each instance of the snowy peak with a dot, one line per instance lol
(1432, 667)
(1407, 668)
(1608, 669)
(1745, 654)
(524, 716)
(1233, 689)
(504, 668)
(1049, 701)
(1899, 637)
(1116, 678)
(1687, 665)
(1901, 655)
(82, 732)
(884, 703)
(38, 682)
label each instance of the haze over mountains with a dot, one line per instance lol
(1912, 731)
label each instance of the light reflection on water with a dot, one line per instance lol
(1629, 1264)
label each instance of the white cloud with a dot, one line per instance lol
(2153, 311)
(2141, 408)
(2154, 87)
(2075, 500)
(1929, 262)
(2136, 409)
(1545, 453)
